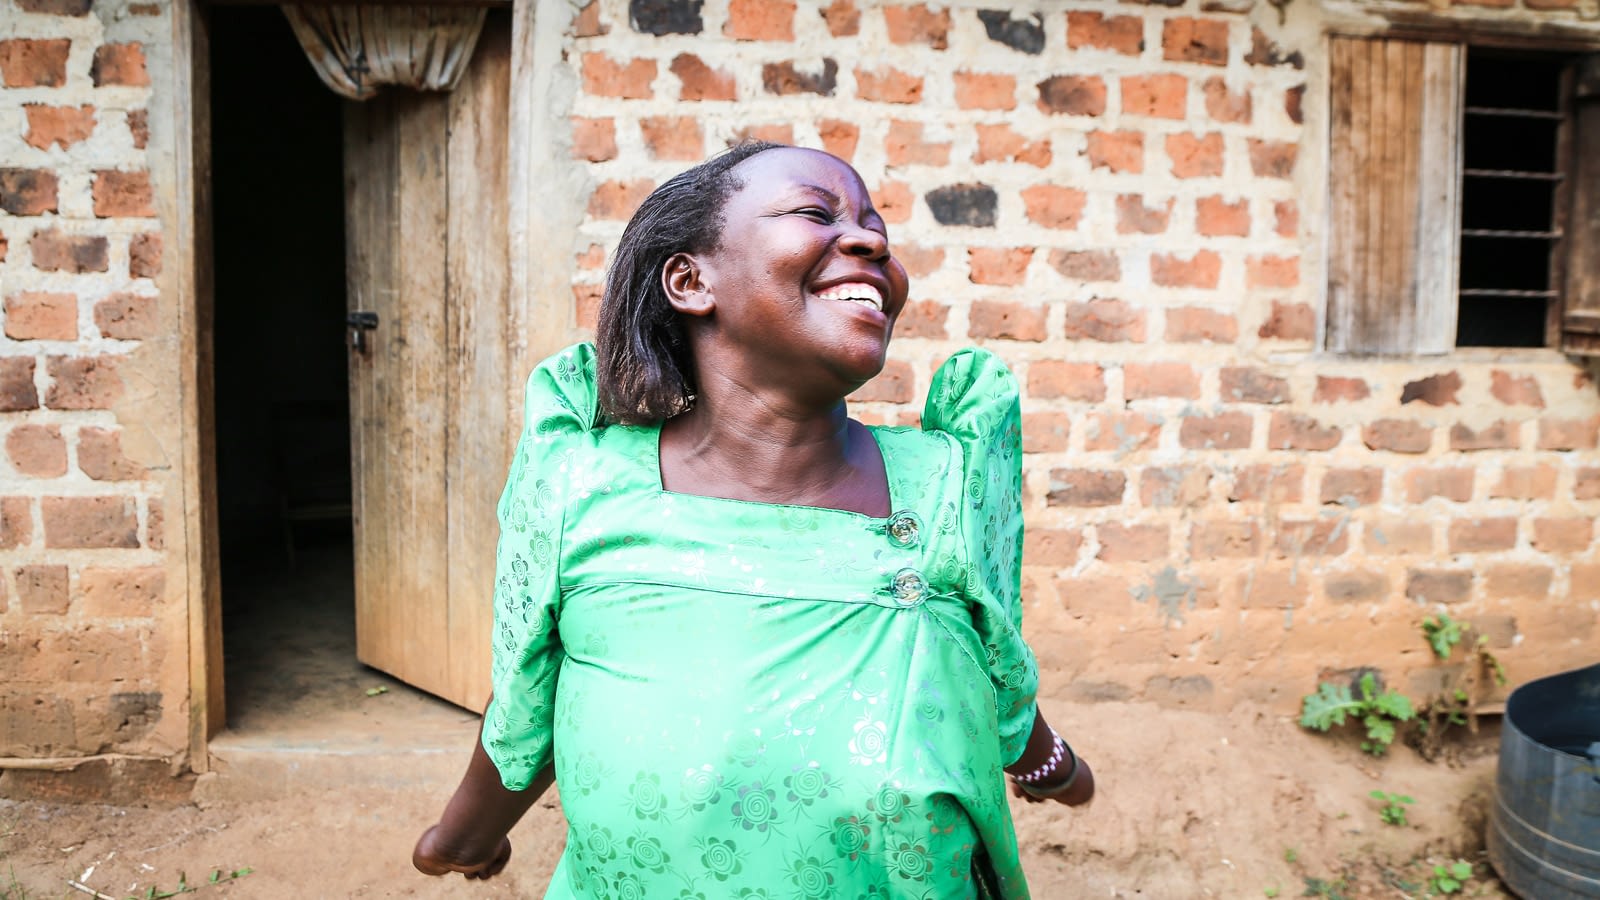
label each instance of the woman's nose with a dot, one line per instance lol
(865, 242)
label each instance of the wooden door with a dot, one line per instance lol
(427, 253)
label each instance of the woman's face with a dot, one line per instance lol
(802, 286)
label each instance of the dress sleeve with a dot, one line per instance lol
(973, 398)
(558, 412)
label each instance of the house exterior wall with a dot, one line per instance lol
(1123, 200)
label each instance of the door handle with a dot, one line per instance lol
(359, 323)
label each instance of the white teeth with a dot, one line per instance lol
(861, 293)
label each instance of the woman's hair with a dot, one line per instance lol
(646, 370)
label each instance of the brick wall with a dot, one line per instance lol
(86, 625)
(1124, 201)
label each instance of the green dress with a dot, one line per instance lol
(749, 700)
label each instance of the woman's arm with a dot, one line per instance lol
(1041, 741)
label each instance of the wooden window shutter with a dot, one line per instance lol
(1394, 185)
(1580, 321)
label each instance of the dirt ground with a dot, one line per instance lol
(1190, 805)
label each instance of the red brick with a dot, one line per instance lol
(1055, 379)
(1287, 215)
(123, 194)
(1045, 432)
(698, 81)
(594, 139)
(1195, 155)
(587, 22)
(1585, 581)
(923, 319)
(760, 20)
(777, 133)
(1223, 105)
(1120, 543)
(1199, 271)
(1006, 320)
(1483, 535)
(119, 64)
(122, 593)
(1121, 431)
(606, 77)
(1335, 389)
(17, 392)
(144, 255)
(1352, 487)
(1073, 95)
(78, 523)
(1568, 434)
(1515, 390)
(905, 146)
(1500, 435)
(28, 192)
(1161, 379)
(1225, 540)
(42, 590)
(586, 299)
(888, 85)
(1518, 582)
(919, 261)
(985, 90)
(1202, 41)
(1529, 483)
(139, 127)
(1106, 320)
(61, 125)
(1053, 206)
(1270, 483)
(1086, 487)
(1452, 484)
(34, 63)
(38, 451)
(1294, 104)
(1360, 586)
(100, 456)
(1314, 537)
(894, 201)
(1289, 322)
(1272, 159)
(1243, 384)
(1000, 143)
(673, 137)
(1397, 436)
(1289, 431)
(83, 382)
(1570, 535)
(918, 25)
(839, 137)
(895, 384)
(1086, 265)
(1119, 151)
(41, 316)
(1051, 547)
(1224, 431)
(1133, 217)
(842, 17)
(1121, 34)
(129, 317)
(1174, 486)
(1438, 586)
(155, 525)
(1196, 324)
(16, 522)
(1585, 484)
(1216, 217)
(617, 200)
(1157, 96)
(1434, 390)
(998, 265)
(1272, 271)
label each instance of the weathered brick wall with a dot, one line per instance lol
(1125, 202)
(89, 642)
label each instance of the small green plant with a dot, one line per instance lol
(218, 876)
(1393, 811)
(1450, 878)
(11, 888)
(1326, 889)
(1377, 712)
(1443, 633)
(1270, 892)
(1290, 855)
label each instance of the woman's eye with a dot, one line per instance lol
(817, 214)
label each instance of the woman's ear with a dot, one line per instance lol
(686, 291)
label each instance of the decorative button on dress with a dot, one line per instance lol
(748, 700)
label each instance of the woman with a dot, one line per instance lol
(766, 651)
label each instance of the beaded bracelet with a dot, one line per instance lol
(1030, 781)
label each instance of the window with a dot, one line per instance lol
(1464, 198)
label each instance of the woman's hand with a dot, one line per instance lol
(432, 858)
(1081, 792)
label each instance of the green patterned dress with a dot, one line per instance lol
(748, 700)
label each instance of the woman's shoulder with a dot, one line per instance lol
(561, 394)
(974, 398)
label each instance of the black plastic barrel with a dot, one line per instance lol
(1544, 831)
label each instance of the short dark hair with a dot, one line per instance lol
(645, 368)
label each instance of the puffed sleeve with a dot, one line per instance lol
(558, 411)
(974, 398)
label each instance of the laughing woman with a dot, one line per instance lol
(765, 650)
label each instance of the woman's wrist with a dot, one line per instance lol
(1053, 776)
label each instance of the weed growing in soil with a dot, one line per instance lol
(1377, 712)
(218, 876)
(1450, 878)
(1327, 889)
(1393, 811)
(11, 888)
